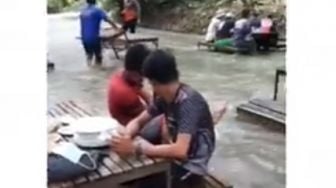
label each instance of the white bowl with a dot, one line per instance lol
(94, 124)
(93, 131)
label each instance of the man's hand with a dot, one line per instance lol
(123, 144)
(133, 127)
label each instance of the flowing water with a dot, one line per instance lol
(247, 155)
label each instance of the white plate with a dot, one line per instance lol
(66, 130)
(90, 143)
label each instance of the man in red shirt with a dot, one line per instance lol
(126, 96)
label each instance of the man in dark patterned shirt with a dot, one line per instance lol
(189, 134)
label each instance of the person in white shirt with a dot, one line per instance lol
(215, 24)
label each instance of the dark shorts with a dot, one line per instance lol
(93, 48)
(181, 178)
(152, 130)
(131, 25)
(265, 40)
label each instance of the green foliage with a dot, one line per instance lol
(54, 6)
(247, 3)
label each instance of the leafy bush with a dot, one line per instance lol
(54, 6)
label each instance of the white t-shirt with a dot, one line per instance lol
(213, 27)
(240, 23)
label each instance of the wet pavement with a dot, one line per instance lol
(247, 155)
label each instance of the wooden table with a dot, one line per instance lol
(281, 71)
(121, 41)
(113, 170)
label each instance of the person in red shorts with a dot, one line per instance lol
(131, 15)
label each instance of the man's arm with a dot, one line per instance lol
(136, 124)
(145, 96)
(109, 20)
(124, 145)
(177, 150)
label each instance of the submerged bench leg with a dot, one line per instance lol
(156, 44)
(276, 85)
(115, 51)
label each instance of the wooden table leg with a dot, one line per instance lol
(169, 179)
(115, 52)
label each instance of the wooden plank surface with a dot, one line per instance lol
(262, 112)
(108, 34)
(104, 171)
(80, 109)
(51, 114)
(275, 106)
(145, 160)
(121, 162)
(68, 184)
(114, 165)
(80, 180)
(94, 175)
(55, 185)
(71, 110)
(212, 182)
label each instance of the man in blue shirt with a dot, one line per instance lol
(90, 19)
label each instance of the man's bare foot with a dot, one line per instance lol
(218, 114)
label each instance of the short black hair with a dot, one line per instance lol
(270, 16)
(91, 2)
(245, 13)
(160, 66)
(135, 56)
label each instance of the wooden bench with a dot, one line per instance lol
(280, 44)
(121, 41)
(209, 45)
(113, 170)
(265, 112)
